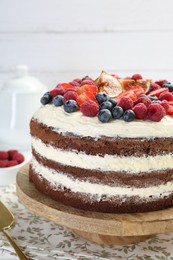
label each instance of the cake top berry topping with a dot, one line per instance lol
(111, 97)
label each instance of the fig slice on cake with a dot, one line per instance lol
(130, 83)
(108, 84)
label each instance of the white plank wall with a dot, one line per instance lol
(62, 39)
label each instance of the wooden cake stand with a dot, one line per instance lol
(102, 228)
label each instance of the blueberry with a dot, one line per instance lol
(169, 86)
(106, 105)
(153, 98)
(129, 115)
(104, 115)
(101, 97)
(58, 100)
(70, 106)
(143, 95)
(46, 98)
(117, 112)
(113, 101)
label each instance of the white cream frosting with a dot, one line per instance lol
(60, 179)
(78, 124)
(129, 164)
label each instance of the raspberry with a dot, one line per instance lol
(145, 100)
(125, 103)
(3, 163)
(3, 155)
(60, 90)
(137, 76)
(154, 86)
(11, 163)
(70, 89)
(87, 82)
(140, 110)
(74, 83)
(77, 80)
(161, 82)
(11, 153)
(89, 108)
(156, 112)
(70, 95)
(166, 96)
(165, 105)
(18, 157)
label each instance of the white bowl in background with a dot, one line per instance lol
(8, 174)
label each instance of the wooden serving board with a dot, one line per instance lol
(97, 227)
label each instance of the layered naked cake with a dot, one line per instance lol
(85, 160)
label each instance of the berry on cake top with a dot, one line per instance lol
(110, 97)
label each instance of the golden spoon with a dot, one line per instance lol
(6, 221)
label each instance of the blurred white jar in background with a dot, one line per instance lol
(19, 98)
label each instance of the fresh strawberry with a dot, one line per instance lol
(3, 163)
(19, 157)
(11, 153)
(11, 163)
(3, 155)
(65, 85)
(157, 92)
(138, 90)
(85, 96)
(129, 94)
(170, 110)
(133, 93)
(89, 108)
(87, 88)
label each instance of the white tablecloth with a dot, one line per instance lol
(42, 239)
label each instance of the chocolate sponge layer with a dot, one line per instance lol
(111, 205)
(103, 145)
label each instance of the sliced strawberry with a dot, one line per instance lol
(87, 88)
(170, 103)
(130, 94)
(157, 92)
(85, 96)
(138, 90)
(170, 110)
(66, 85)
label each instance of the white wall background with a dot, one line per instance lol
(62, 39)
